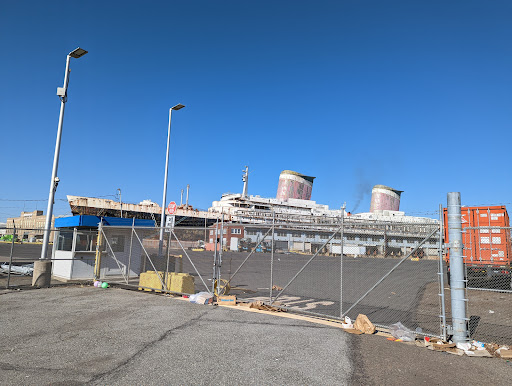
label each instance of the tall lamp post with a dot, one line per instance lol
(179, 106)
(120, 201)
(43, 267)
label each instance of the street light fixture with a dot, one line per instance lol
(78, 53)
(62, 92)
(179, 106)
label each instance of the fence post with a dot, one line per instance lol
(130, 255)
(214, 277)
(342, 244)
(457, 290)
(272, 255)
(441, 272)
(10, 255)
(99, 245)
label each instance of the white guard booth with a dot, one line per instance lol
(74, 247)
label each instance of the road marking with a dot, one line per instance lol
(292, 301)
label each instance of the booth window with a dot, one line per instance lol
(86, 241)
(65, 241)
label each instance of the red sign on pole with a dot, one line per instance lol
(171, 209)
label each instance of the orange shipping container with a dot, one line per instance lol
(487, 245)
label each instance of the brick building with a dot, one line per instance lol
(232, 233)
(29, 226)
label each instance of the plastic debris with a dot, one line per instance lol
(201, 298)
(347, 323)
(466, 347)
(399, 331)
(25, 270)
(478, 345)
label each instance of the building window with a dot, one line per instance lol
(236, 231)
(251, 232)
(211, 231)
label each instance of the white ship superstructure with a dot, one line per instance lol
(256, 209)
(240, 207)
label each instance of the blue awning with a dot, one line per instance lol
(93, 222)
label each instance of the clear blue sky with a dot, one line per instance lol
(416, 95)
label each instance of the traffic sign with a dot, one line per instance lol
(171, 209)
(169, 223)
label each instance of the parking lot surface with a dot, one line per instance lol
(85, 335)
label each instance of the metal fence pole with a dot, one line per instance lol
(441, 272)
(219, 258)
(341, 259)
(10, 255)
(166, 279)
(215, 255)
(130, 255)
(457, 290)
(272, 256)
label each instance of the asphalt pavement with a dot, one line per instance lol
(22, 252)
(85, 335)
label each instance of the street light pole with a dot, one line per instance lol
(164, 199)
(120, 201)
(62, 93)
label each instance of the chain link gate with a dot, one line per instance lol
(124, 254)
(336, 267)
(390, 271)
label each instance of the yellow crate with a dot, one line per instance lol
(180, 282)
(150, 279)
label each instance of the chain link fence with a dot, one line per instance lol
(487, 255)
(390, 271)
(19, 248)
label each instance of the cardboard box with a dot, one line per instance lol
(354, 331)
(226, 300)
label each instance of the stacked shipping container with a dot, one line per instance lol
(486, 239)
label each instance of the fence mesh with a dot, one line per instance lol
(133, 255)
(392, 274)
(388, 271)
(19, 248)
(487, 254)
